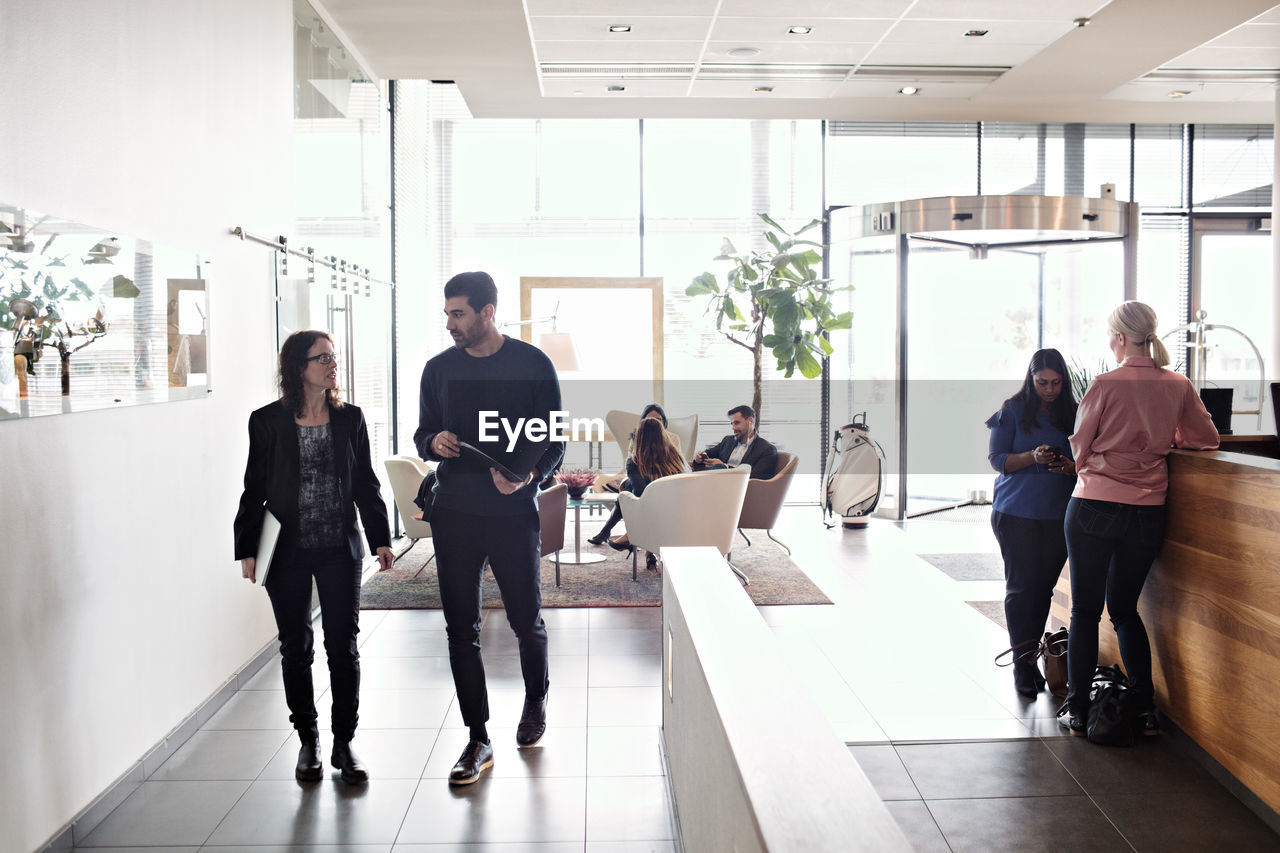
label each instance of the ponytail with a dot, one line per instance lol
(1137, 322)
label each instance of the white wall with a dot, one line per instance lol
(121, 609)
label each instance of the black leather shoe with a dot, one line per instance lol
(349, 764)
(651, 561)
(600, 538)
(310, 768)
(476, 758)
(621, 546)
(533, 722)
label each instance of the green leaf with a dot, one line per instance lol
(705, 283)
(842, 321)
(785, 317)
(82, 288)
(825, 345)
(775, 226)
(813, 223)
(773, 238)
(726, 248)
(809, 366)
(124, 288)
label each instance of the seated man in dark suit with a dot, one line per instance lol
(744, 447)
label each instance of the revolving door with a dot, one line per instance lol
(951, 296)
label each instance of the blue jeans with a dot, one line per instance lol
(1111, 547)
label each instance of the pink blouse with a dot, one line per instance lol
(1128, 421)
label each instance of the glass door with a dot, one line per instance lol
(1232, 283)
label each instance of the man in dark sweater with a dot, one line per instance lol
(743, 447)
(484, 379)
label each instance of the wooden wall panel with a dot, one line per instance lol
(1212, 609)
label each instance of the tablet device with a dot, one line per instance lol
(266, 546)
(515, 466)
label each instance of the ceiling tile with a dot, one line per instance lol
(598, 88)
(1214, 92)
(628, 52)
(642, 29)
(967, 53)
(856, 88)
(1250, 35)
(631, 8)
(821, 53)
(746, 89)
(1005, 10)
(775, 30)
(1228, 57)
(798, 9)
(998, 32)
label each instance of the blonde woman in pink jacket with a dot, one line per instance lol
(1127, 422)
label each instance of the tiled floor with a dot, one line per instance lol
(594, 784)
(901, 666)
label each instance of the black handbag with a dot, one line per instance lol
(1111, 718)
(426, 497)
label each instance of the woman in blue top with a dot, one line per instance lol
(1030, 450)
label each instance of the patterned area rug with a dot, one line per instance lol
(968, 567)
(993, 610)
(412, 583)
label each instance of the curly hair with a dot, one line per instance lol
(656, 453)
(293, 361)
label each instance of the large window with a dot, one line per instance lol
(655, 198)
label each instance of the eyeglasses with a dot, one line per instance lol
(325, 358)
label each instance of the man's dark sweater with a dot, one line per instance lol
(517, 381)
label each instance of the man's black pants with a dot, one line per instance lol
(511, 543)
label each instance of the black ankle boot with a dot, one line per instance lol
(310, 768)
(1027, 679)
(350, 765)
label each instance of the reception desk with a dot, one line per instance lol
(1212, 608)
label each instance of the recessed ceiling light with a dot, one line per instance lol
(1178, 93)
(908, 90)
(977, 33)
(1081, 22)
(744, 52)
(764, 90)
(615, 88)
(800, 31)
(620, 28)
(578, 93)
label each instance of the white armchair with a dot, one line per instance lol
(621, 424)
(406, 474)
(701, 508)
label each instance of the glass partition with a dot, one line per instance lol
(91, 319)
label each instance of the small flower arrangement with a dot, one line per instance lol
(577, 479)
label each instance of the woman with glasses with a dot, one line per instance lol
(309, 465)
(1128, 421)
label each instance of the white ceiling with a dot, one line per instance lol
(557, 58)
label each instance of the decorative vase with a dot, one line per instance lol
(576, 492)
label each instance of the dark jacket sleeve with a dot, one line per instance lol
(636, 480)
(248, 522)
(766, 459)
(366, 491)
(548, 401)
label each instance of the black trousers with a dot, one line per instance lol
(1034, 553)
(337, 578)
(511, 543)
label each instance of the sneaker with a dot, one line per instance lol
(1071, 722)
(533, 722)
(1148, 724)
(475, 759)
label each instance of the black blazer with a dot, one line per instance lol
(761, 455)
(272, 473)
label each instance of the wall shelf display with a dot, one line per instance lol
(90, 319)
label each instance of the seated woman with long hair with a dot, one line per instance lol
(651, 411)
(656, 455)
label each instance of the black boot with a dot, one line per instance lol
(310, 768)
(1027, 679)
(350, 765)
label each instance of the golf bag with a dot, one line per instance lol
(855, 474)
